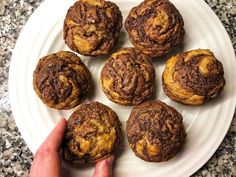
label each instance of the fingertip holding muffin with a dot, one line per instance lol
(155, 27)
(92, 27)
(193, 77)
(61, 80)
(93, 133)
(155, 131)
(128, 77)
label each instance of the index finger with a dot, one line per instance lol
(54, 139)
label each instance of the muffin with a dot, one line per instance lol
(155, 27)
(93, 133)
(92, 27)
(155, 131)
(193, 77)
(61, 80)
(128, 77)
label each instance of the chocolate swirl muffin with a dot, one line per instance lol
(155, 131)
(155, 27)
(93, 133)
(92, 27)
(128, 77)
(193, 77)
(61, 80)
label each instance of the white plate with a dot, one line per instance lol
(206, 125)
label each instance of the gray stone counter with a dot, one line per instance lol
(15, 157)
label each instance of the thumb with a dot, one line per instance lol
(104, 167)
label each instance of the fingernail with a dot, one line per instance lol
(109, 160)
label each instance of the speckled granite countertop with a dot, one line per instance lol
(15, 157)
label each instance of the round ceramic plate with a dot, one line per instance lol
(206, 125)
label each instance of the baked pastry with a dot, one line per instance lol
(93, 133)
(61, 80)
(128, 77)
(155, 27)
(193, 77)
(92, 27)
(155, 131)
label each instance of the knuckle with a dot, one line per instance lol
(43, 152)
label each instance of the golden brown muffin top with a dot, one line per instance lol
(155, 131)
(128, 77)
(92, 27)
(61, 80)
(93, 133)
(193, 77)
(155, 27)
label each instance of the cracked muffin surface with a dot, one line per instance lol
(128, 77)
(155, 27)
(61, 80)
(155, 131)
(92, 27)
(93, 133)
(193, 77)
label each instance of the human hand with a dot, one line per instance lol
(47, 162)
